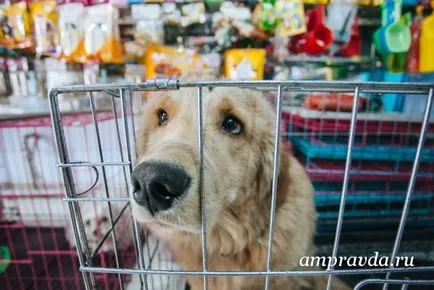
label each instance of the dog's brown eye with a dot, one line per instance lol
(232, 125)
(163, 117)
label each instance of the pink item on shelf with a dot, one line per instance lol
(329, 124)
(94, 2)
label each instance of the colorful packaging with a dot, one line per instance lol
(426, 44)
(71, 30)
(19, 22)
(165, 61)
(101, 36)
(412, 65)
(245, 64)
(149, 23)
(340, 18)
(44, 16)
(324, 2)
(268, 16)
(6, 37)
(291, 19)
(192, 13)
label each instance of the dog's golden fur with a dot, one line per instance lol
(237, 187)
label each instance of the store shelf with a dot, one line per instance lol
(328, 60)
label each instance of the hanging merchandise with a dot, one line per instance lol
(268, 15)
(291, 19)
(426, 60)
(71, 30)
(396, 62)
(19, 22)
(192, 13)
(101, 37)
(149, 25)
(148, 29)
(340, 19)
(354, 46)
(244, 64)
(318, 37)
(165, 61)
(413, 53)
(44, 16)
(232, 23)
(6, 37)
(393, 36)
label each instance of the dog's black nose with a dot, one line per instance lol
(157, 184)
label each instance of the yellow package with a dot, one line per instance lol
(316, 1)
(101, 37)
(71, 31)
(291, 20)
(165, 61)
(19, 21)
(44, 16)
(244, 64)
(6, 37)
(369, 2)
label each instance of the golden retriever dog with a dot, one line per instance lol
(238, 143)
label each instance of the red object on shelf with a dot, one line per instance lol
(343, 125)
(354, 46)
(332, 102)
(412, 65)
(317, 38)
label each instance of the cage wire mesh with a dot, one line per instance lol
(73, 228)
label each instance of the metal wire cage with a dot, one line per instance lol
(347, 145)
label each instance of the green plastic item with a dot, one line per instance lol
(397, 38)
(5, 258)
(268, 16)
(395, 35)
(396, 62)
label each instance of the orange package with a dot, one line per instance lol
(101, 37)
(71, 30)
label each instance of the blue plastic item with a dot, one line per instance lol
(415, 104)
(331, 149)
(328, 199)
(393, 102)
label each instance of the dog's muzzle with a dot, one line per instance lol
(157, 184)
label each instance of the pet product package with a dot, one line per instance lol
(101, 37)
(165, 61)
(44, 16)
(149, 23)
(245, 64)
(6, 37)
(71, 30)
(19, 22)
(291, 18)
